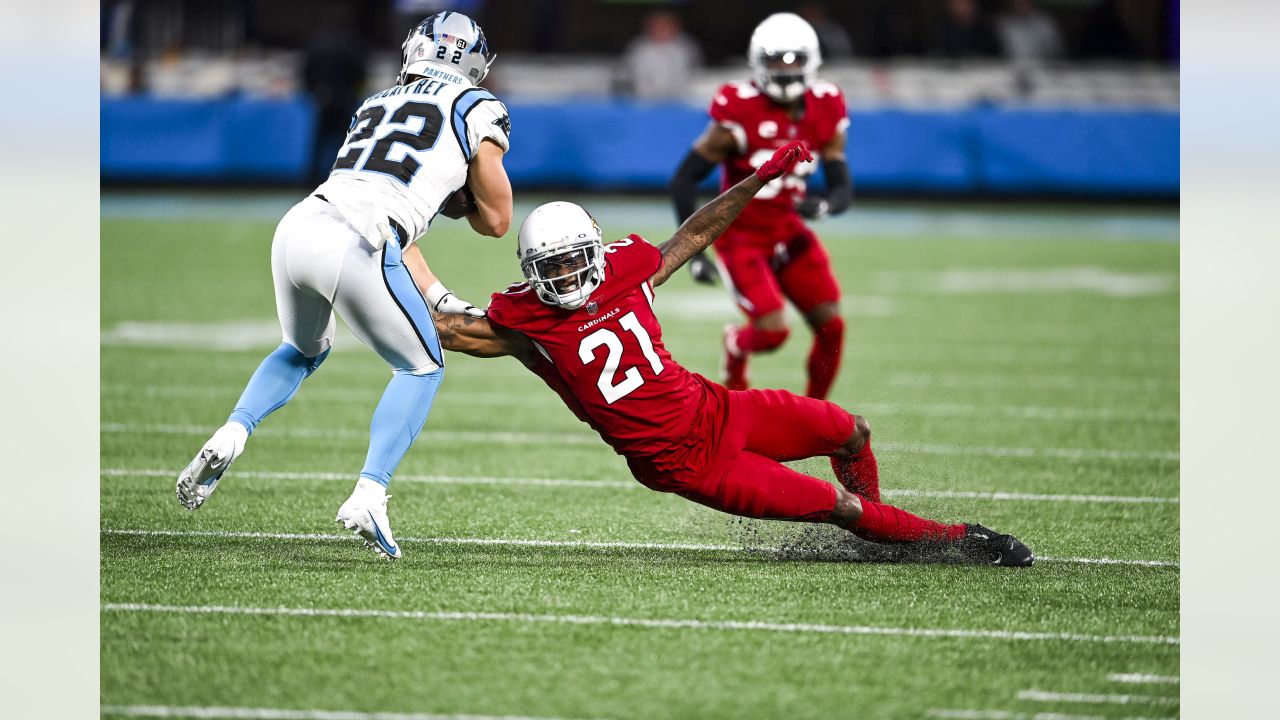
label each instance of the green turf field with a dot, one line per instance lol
(1019, 368)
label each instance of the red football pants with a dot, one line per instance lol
(765, 427)
(796, 268)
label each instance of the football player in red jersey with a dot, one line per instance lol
(769, 253)
(584, 322)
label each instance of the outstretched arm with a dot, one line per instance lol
(440, 298)
(713, 147)
(704, 226)
(480, 338)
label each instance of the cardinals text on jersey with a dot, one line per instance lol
(408, 150)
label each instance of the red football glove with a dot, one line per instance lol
(784, 158)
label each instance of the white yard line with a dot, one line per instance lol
(632, 485)
(427, 479)
(250, 713)
(1010, 715)
(648, 623)
(1097, 699)
(1055, 381)
(466, 398)
(576, 437)
(1141, 678)
(552, 543)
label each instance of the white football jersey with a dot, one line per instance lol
(408, 150)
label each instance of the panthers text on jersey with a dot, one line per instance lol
(407, 151)
(607, 362)
(759, 127)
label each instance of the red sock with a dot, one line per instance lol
(824, 357)
(752, 340)
(886, 523)
(859, 473)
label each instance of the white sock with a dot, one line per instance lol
(365, 485)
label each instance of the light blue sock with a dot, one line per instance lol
(398, 419)
(273, 384)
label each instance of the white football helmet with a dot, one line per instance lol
(561, 254)
(784, 56)
(450, 41)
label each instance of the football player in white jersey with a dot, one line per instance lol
(350, 247)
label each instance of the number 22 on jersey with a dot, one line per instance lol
(610, 388)
(366, 126)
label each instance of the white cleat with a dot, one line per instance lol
(365, 514)
(200, 478)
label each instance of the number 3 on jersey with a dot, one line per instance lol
(631, 379)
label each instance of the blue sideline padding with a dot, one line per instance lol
(209, 140)
(1077, 151)
(618, 144)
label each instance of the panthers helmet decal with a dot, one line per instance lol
(447, 41)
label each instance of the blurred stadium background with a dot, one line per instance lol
(957, 97)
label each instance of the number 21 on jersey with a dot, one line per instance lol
(612, 389)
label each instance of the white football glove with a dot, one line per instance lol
(385, 234)
(442, 300)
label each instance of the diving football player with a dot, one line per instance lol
(584, 322)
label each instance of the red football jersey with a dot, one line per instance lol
(607, 362)
(760, 126)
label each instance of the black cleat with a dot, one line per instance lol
(990, 547)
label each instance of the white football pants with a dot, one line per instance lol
(320, 263)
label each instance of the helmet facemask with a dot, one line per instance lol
(566, 276)
(784, 76)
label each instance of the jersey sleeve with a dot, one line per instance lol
(728, 109)
(834, 113)
(479, 116)
(632, 260)
(505, 308)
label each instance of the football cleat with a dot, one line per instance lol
(365, 514)
(990, 547)
(200, 477)
(735, 361)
